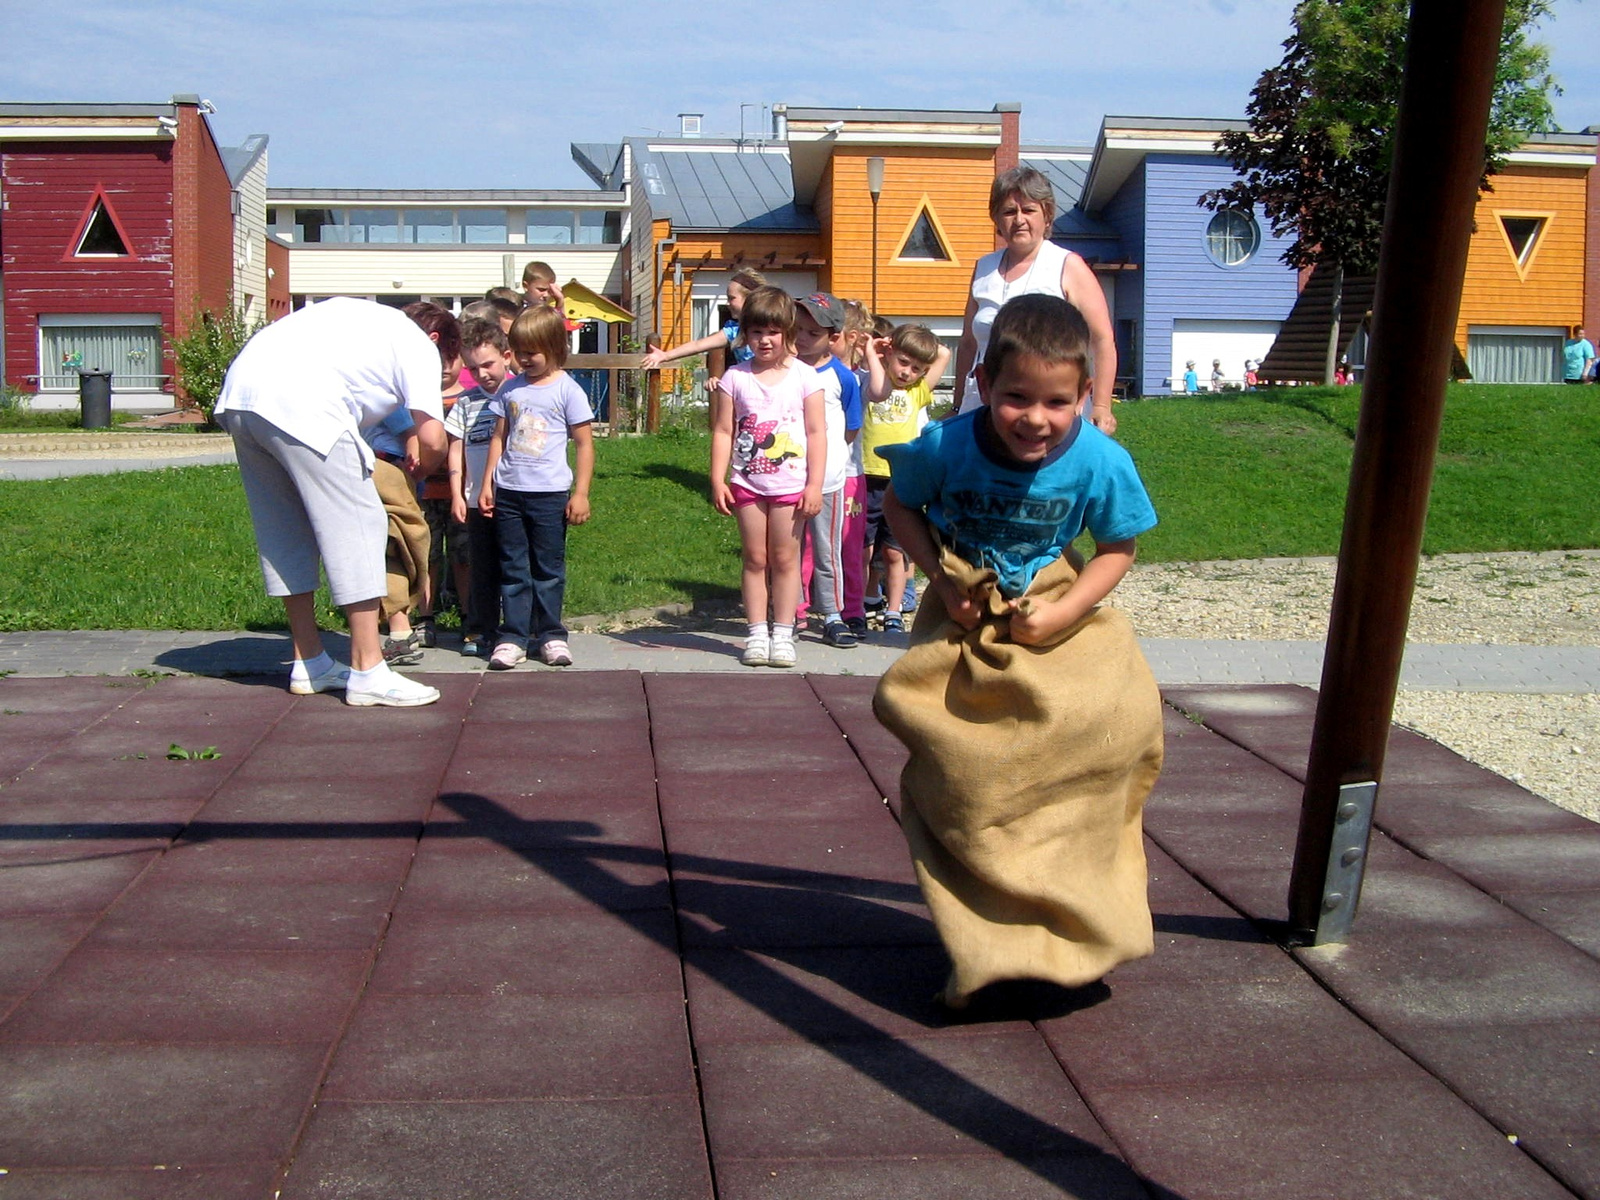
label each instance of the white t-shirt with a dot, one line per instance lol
(991, 291)
(336, 367)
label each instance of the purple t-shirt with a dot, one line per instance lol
(537, 419)
(769, 428)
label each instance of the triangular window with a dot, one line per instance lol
(925, 240)
(101, 238)
(1523, 233)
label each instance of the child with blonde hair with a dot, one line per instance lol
(768, 457)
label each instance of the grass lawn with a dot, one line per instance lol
(1234, 476)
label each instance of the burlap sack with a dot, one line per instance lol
(1028, 775)
(406, 555)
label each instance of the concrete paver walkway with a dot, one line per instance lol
(611, 934)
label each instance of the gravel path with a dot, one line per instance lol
(1546, 743)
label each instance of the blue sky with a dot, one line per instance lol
(399, 93)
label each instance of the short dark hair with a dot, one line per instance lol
(432, 319)
(507, 295)
(1043, 327)
(480, 331)
(770, 307)
(916, 342)
(541, 330)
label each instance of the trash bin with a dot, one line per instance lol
(94, 398)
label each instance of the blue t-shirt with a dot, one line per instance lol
(388, 436)
(1575, 356)
(1014, 517)
(731, 332)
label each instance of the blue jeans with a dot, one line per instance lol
(532, 527)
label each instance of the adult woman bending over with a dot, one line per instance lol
(1022, 205)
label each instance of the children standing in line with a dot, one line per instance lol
(1025, 832)
(726, 338)
(821, 320)
(768, 429)
(470, 426)
(899, 368)
(531, 491)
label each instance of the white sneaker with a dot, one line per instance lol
(782, 653)
(555, 653)
(757, 651)
(507, 655)
(396, 692)
(331, 680)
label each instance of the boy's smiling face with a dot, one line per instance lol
(1032, 403)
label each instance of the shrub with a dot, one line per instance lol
(206, 351)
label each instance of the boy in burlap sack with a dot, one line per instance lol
(1033, 721)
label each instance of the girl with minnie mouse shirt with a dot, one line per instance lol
(768, 456)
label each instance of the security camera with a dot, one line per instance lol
(833, 126)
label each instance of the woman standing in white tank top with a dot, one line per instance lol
(1022, 205)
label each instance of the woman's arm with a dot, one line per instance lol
(1080, 286)
(582, 472)
(966, 351)
(721, 450)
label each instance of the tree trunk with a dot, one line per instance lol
(1331, 362)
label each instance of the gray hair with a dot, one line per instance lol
(1030, 185)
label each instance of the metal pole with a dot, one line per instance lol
(1451, 53)
(875, 189)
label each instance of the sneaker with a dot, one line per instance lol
(892, 623)
(838, 635)
(331, 680)
(555, 653)
(875, 604)
(402, 652)
(782, 653)
(396, 692)
(425, 633)
(471, 648)
(857, 626)
(757, 652)
(507, 655)
(908, 602)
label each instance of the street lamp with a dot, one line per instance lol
(875, 189)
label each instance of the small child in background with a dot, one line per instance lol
(821, 320)
(1025, 833)
(1217, 377)
(897, 393)
(539, 287)
(1191, 381)
(768, 458)
(726, 339)
(531, 491)
(470, 426)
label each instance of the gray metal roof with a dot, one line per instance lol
(1066, 176)
(447, 196)
(719, 189)
(239, 159)
(85, 110)
(600, 161)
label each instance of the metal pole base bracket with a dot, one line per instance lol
(1347, 861)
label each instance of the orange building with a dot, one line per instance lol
(1524, 285)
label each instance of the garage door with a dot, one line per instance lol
(1231, 341)
(1514, 354)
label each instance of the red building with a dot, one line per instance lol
(116, 226)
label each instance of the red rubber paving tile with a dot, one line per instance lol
(1573, 916)
(798, 914)
(1572, 1157)
(279, 760)
(930, 1177)
(1547, 862)
(61, 778)
(187, 997)
(76, 878)
(431, 1048)
(31, 946)
(769, 793)
(530, 1150)
(1378, 1138)
(565, 954)
(469, 875)
(757, 694)
(76, 702)
(174, 1182)
(482, 765)
(1409, 897)
(518, 696)
(337, 806)
(1001, 1092)
(539, 732)
(96, 1105)
(1416, 813)
(1186, 1034)
(718, 752)
(1244, 840)
(230, 852)
(570, 819)
(825, 995)
(1402, 981)
(865, 849)
(162, 914)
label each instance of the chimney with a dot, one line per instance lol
(780, 122)
(1010, 151)
(689, 124)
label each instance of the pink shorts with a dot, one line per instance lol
(743, 496)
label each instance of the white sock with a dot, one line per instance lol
(304, 669)
(758, 629)
(374, 679)
(783, 633)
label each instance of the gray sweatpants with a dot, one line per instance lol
(826, 531)
(306, 507)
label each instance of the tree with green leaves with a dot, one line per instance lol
(1317, 153)
(206, 350)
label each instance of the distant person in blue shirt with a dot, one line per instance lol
(1191, 381)
(1577, 357)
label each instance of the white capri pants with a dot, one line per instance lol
(306, 507)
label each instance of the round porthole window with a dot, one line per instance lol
(1232, 238)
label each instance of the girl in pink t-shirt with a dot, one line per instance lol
(768, 453)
